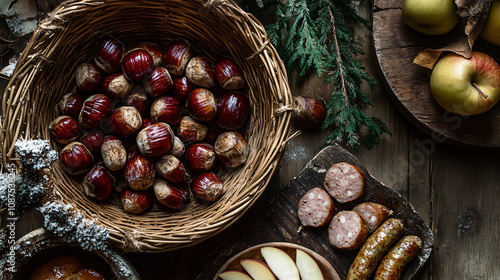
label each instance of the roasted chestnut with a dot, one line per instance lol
(170, 195)
(232, 110)
(201, 105)
(158, 82)
(71, 104)
(138, 99)
(134, 201)
(200, 157)
(207, 186)
(136, 64)
(176, 56)
(190, 130)
(172, 169)
(182, 88)
(229, 74)
(125, 121)
(64, 129)
(116, 85)
(88, 77)
(95, 110)
(76, 159)
(200, 72)
(166, 109)
(113, 153)
(155, 140)
(109, 54)
(139, 171)
(99, 182)
(311, 113)
(231, 149)
(93, 141)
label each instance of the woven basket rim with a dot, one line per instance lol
(45, 41)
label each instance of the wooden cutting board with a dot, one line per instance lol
(278, 222)
(396, 46)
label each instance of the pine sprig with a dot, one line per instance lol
(316, 34)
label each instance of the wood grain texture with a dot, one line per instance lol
(396, 46)
(280, 222)
(465, 214)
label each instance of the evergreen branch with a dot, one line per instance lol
(315, 34)
(340, 67)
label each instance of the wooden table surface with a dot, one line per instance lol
(454, 190)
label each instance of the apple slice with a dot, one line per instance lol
(234, 275)
(308, 268)
(257, 269)
(280, 263)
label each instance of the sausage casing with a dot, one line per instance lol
(374, 249)
(392, 265)
(373, 213)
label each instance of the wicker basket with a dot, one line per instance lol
(216, 28)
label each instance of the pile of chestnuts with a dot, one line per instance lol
(152, 121)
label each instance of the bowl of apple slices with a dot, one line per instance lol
(277, 260)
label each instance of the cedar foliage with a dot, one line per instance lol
(316, 35)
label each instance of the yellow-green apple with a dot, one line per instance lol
(280, 263)
(491, 27)
(257, 269)
(234, 275)
(431, 17)
(466, 86)
(308, 268)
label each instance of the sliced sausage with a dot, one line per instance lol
(345, 182)
(373, 213)
(392, 265)
(374, 249)
(347, 230)
(315, 208)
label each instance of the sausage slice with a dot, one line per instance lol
(345, 182)
(315, 208)
(373, 213)
(347, 230)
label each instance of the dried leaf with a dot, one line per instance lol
(427, 58)
(460, 40)
(477, 11)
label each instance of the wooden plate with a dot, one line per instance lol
(254, 253)
(276, 220)
(396, 46)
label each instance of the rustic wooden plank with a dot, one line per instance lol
(465, 213)
(280, 222)
(396, 47)
(420, 154)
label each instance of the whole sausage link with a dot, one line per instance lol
(374, 249)
(392, 265)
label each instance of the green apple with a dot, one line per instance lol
(431, 17)
(466, 86)
(491, 27)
